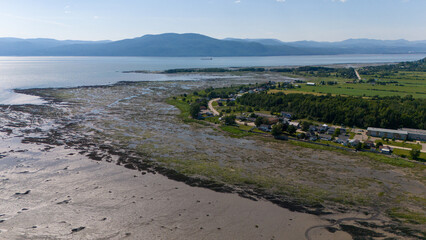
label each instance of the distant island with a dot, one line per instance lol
(197, 45)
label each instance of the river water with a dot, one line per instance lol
(42, 72)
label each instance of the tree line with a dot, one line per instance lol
(383, 112)
(388, 70)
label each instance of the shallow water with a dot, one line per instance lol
(42, 72)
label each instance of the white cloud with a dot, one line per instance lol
(339, 1)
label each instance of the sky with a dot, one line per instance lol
(286, 20)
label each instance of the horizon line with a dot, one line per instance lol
(257, 38)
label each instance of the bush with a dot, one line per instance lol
(415, 154)
(277, 130)
(194, 109)
(230, 120)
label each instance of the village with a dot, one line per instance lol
(379, 140)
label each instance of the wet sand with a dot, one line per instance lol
(56, 193)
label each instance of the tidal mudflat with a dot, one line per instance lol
(263, 189)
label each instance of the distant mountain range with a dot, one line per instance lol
(196, 45)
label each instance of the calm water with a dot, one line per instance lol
(36, 72)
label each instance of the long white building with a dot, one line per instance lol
(401, 134)
(387, 133)
(415, 134)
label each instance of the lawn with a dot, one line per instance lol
(235, 131)
(401, 144)
(406, 153)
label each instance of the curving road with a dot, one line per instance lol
(215, 113)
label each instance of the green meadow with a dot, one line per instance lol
(408, 83)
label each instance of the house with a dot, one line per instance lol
(354, 142)
(241, 118)
(286, 121)
(265, 128)
(385, 150)
(343, 139)
(369, 144)
(272, 120)
(325, 137)
(310, 84)
(286, 115)
(331, 130)
(323, 128)
(311, 136)
(312, 128)
(296, 124)
(343, 130)
(250, 119)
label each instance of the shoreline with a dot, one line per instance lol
(130, 160)
(18, 99)
(78, 198)
(235, 69)
(85, 197)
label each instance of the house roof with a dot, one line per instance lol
(344, 137)
(325, 136)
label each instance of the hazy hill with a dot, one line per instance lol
(35, 47)
(196, 45)
(350, 46)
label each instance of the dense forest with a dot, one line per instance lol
(386, 112)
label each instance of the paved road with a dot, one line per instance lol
(357, 74)
(403, 148)
(251, 124)
(215, 113)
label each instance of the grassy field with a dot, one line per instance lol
(409, 83)
(406, 153)
(236, 131)
(401, 144)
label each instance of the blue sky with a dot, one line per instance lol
(287, 20)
